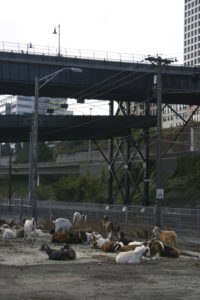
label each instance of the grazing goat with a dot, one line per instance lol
(7, 233)
(132, 257)
(111, 228)
(79, 217)
(29, 227)
(64, 253)
(157, 248)
(69, 238)
(166, 237)
(63, 225)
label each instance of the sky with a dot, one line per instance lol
(136, 27)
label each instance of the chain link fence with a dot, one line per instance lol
(179, 219)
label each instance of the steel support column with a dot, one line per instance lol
(110, 158)
(127, 165)
(146, 159)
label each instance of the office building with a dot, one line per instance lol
(19, 105)
(192, 33)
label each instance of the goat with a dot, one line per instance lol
(2, 221)
(142, 233)
(131, 246)
(124, 239)
(38, 233)
(111, 228)
(157, 248)
(29, 226)
(132, 257)
(111, 246)
(166, 237)
(63, 225)
(79, 217)
(7, 233)
(5, 226)
(12, 223)
(97, 243)
(69, 238)
(19, 233)
(64, 253)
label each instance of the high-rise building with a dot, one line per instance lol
(20, 105)
(192, 33)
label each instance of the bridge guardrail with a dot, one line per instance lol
(68, 52)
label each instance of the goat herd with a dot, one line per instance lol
(128, 251)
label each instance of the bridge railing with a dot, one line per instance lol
(68, 52)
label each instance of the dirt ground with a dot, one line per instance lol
(27, 273)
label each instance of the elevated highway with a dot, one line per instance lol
(100, 79)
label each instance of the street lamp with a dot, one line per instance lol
(29, 46)
(39, 83)
(55, 32)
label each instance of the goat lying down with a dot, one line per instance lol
(65, 253)
(157, 248)
(132, 257)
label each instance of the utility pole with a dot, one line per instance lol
(159, 190)
(35, 151)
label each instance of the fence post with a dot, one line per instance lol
(50, 211)
(21, 208)
(14, 208)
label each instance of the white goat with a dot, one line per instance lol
(38, 233)
(132, 257)
(98, 243)
(87, 242)
(79, 218)
(29, 227)
(135, 243)
(7, 233)
(63, 225)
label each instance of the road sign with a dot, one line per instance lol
(159, 194)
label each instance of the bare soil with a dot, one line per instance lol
(27, 273)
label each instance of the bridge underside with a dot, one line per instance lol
(16, 128)
(101, 80)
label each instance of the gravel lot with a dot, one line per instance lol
(27, 273)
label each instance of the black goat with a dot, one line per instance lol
(124, 239)
(64, 253)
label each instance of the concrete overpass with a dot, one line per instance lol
(78, 164)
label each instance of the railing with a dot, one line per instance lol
(67, 52)
(179, 219)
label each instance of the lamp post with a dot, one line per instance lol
(90, 146)
(55, 32)
(29, 46)
(39, 83)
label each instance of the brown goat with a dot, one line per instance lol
(166, 237)
(110, 246)
(157, 248)
(69, 237)
(111, 228)
(130, 247)
(2, 221)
